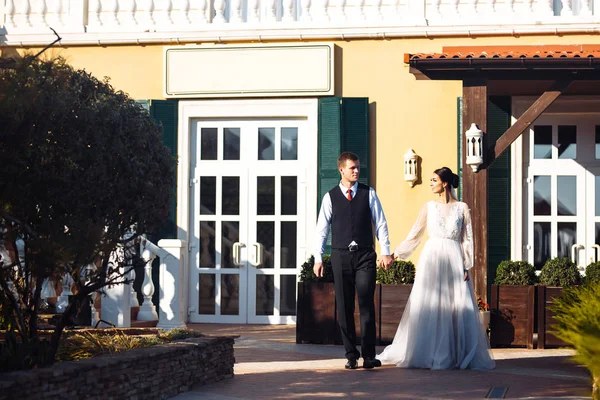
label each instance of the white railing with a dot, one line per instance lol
(147, 16)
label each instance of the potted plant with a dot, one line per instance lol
(592, 273)
(556, 274)
(512, 305)
(394, 289)
(315, 314)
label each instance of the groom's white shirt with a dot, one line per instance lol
(377, 216)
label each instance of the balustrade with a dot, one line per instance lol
(72, 16)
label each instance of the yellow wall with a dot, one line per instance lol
(407, 113)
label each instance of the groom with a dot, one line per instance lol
(350, 209)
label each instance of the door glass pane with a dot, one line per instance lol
(266, 143)
(206, 303)
(208, 195)
(231, 195)
(567, 195)
(567, 236)
(598, 234)
(542, 141)
(208, 144)
(567, 141)
(207, 244)
(541, 243)
(230, 234)
(265, 294)
(265, 201)
(230, 294)
(289, 143)
(597, 195)
(231, 143)
(289, 195)
(541, 195)
(288, 295)
(288, 244)
(597, 142)
(265, 235)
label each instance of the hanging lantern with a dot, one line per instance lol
(410, 167)
(474, 147)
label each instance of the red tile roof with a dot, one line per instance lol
(510, 52)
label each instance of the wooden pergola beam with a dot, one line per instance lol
(528, 118)
(475, 100)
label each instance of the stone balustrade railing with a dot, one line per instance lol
(148, 16)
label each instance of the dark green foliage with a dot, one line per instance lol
(515, 273)
(15, 355)
(579, 325)
(592, 273)
(307, 274)
(400, 272)
(83, 166)
(560, 272)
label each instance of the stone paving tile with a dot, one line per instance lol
(270, 365)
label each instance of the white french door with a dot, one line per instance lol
(247, 218)
(562, 168)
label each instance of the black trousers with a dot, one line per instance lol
(354, 273)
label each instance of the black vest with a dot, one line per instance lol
(351, 220)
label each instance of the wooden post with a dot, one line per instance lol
(475, 183)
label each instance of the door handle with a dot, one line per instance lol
(257, 256)
(596, 252)
(237, 249)
(574, 249)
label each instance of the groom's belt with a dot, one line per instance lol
(353, 247)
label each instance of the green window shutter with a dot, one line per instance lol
(343, 126)
(499, 186)
(164, 112)
(459, 147)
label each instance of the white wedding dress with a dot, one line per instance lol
(440, 327)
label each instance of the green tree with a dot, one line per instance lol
(84, 173)
(579, 324)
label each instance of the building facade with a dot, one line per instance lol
(257, 98)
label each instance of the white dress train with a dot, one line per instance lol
(440, 327)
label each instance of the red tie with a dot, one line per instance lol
(349, 191)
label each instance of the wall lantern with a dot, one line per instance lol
(474, 147)
(410, 167)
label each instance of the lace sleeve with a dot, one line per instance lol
(412, 241)
(466, 239)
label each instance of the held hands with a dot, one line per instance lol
(318, 269)
(386, 261)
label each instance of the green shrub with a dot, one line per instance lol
(579, 325)
(515, 273)
(400, 272)
(560, 272)
(307, 274)
(592, 273)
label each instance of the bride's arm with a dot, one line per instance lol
(467, 239)
(412, 241)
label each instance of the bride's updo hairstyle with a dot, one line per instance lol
(446, 175)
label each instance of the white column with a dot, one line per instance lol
(306, 17)
(147, 309)
(219, 11)
(116, 304)
(173, 285)
(133, 295)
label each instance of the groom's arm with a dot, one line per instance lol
(381, 228)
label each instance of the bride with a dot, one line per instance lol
(440, 327)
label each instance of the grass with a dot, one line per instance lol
(87, 344)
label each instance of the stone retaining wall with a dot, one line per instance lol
(156, 372)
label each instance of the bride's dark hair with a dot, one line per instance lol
(446, 175)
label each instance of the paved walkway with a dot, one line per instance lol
(270, 365)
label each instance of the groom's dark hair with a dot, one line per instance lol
(347, 155)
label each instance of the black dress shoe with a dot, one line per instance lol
(369, 363)
(351, 364)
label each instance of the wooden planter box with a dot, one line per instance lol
(512, 318)
(315, 316)
(393, 300)
(546, 338)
